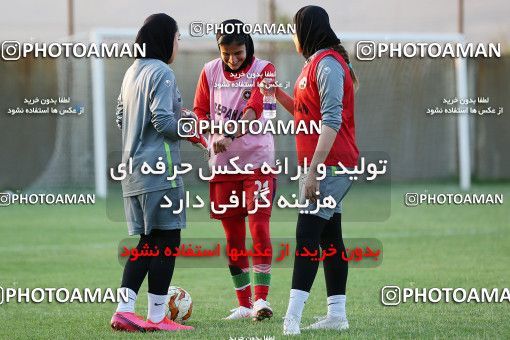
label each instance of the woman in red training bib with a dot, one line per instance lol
(227, 91)
(324, 92)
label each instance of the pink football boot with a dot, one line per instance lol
(129, 322)
(168, 325)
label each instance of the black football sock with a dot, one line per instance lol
(335, 267)
(161, 268)
(135, 271)
(308, 231)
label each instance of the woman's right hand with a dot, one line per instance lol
(267, 86)
(188, 114)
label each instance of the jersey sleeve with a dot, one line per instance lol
(201, 104)
(330, 82)
(255, 101)
(161, 98)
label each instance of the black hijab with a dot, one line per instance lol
(236, 37)
(158, 33)
(313, 30)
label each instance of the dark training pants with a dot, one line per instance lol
(160, 268)
(314, 232)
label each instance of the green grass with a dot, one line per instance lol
(426, 246)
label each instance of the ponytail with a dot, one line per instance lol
(343, 52)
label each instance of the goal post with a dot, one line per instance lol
(463, 126)
(99, 121)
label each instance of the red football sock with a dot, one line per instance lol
(244, 296)
(259, 228)
(235, 232)
(261, 292)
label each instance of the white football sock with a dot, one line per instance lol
(128, 306)
(157, 307)
(297, 303)
(336, 306)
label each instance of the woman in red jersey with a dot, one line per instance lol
(221, 97)
(324, 92)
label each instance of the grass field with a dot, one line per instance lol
(425, 246)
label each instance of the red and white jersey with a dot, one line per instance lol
(228, 98)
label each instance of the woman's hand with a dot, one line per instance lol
(267, 87)
(221, 144)
(185, 113)
(324, 144)
(311, 187)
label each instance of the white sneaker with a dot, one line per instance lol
(330, 322)
(261, 310)
(291, 326)
(239, 313)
